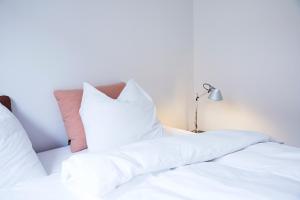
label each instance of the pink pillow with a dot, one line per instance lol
(69, 104)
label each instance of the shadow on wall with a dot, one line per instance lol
(298, 3)
(37, 132)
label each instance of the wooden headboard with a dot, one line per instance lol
(5, 100)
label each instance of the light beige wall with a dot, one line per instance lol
(251, 50)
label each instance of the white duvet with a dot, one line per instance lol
(214, 165)
(217, 165)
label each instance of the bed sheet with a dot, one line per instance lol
(52, 159)
(46, 188)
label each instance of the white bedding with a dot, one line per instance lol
(264, 170)
(52, 159)
(237, 176)
(98, 174)
(18, 161)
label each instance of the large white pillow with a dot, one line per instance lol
(18, 161)
(110, 123)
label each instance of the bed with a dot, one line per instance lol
(265, 170)
(181, 165)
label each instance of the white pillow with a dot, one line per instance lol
(18, 161)
(110, 123)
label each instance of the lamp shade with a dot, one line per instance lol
(215, 95)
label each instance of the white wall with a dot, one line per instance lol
(251, 50)
(47, 45)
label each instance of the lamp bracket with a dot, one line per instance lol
(208, 87)
(199, 96)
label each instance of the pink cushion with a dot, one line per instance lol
(69, 104)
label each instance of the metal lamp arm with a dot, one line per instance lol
(214, 94)
(196, 111)
(200, 96)
(208, 87)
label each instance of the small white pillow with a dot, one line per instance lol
(110, 123)
(18, 161)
